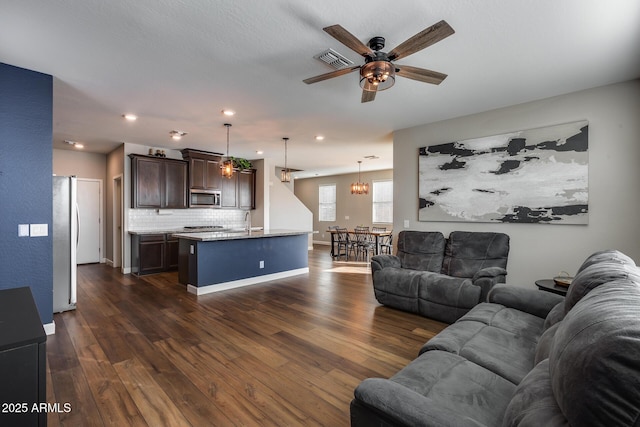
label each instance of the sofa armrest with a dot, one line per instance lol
(390, 403)
(530, 301)
(378, 262)
(486, 278)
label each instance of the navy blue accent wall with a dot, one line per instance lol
(26, 106)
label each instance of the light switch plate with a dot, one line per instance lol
(406, 223)
(23, 230)
(39, 230)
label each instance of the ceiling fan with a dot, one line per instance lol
(379, 72)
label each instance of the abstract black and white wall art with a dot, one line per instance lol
(531, 176)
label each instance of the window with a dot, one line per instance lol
(382, 202)
(327, 202)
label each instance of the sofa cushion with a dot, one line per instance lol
(467, 252)
(555, 315)
(544, 343)
(533, 404)
(438, 389)
(498, 338)
(594, 363)
(595, 275)
(397, 287)
(446, 298)
(421, 250)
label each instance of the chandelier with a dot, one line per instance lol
(359, 187)
(227, 166)
(285, 174)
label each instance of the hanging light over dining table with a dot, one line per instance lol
(227, 165)
(359, 187)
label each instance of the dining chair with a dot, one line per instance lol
(343, 242)
(386, 244)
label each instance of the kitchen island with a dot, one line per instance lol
(220, 260)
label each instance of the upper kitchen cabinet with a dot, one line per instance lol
(239, 191)
(247, 189)
(158, 182)
(204, 170)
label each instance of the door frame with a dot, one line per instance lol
(118, 201)
(102, 258)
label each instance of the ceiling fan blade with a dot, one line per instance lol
(348, 39)
(420, 74)
(330, 75)
(423, 39)
(369, 92)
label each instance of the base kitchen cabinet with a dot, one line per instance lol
(154, 253)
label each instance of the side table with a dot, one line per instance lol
(549, 285)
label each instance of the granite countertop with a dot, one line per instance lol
(234, 234)
(188, 229)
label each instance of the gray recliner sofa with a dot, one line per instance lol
(525, 358)
(440, 278)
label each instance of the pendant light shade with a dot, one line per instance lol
(359, 187)
(285, 174)
(227, 165)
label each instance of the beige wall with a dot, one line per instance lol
(543, 250)
(115, 168)
(358, 208)
(80, 164)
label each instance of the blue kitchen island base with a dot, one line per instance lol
(213, 262)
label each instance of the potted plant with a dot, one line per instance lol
(240, 163)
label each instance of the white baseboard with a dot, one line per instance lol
(202, 290)
(50, 328)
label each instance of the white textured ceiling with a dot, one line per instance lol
(178, 63)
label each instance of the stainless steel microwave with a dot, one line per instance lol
(207, 199)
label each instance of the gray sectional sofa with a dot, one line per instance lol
(525, 358)
(440, 278)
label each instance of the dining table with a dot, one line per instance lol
(377, 234)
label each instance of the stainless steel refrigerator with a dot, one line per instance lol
(65, 242)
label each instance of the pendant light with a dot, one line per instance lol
(227, 166)
(359, 187)
(285, 174)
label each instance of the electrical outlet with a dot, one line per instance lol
(191, 249)
(261, 264)
(406, 223)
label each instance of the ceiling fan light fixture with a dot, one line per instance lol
(380, 74)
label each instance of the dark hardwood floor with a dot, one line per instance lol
(144, 352)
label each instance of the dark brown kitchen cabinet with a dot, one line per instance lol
(158, 183)
(239, 191)
(247, 189)
(229, 188)
(155, 253)
(204, 169)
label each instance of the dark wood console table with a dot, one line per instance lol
(23, 369)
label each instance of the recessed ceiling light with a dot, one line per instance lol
(130, 117)
(319, 137)
(227, 112)
(74, 144)
(177, 134)
(259, 152)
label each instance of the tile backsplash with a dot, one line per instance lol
(168, 219)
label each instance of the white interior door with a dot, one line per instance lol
(90, 211)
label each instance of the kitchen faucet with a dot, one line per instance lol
(247, 220)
